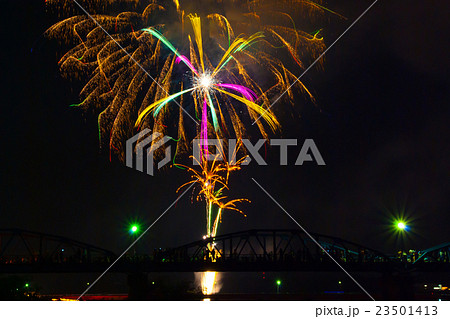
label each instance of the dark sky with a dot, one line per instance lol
(381, 125)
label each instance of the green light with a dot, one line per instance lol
(278, 282)
(26, 285)
(401, 225)
(134, 229)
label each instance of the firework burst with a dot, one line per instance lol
(182, 69)
(257, 58)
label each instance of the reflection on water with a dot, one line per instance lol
(209, 282)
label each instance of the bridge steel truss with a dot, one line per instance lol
(28, 251)
(254, 250)
(435, 255)
(272, 250)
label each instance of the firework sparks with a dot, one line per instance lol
(212, 181)
(222, 82)
(205, 82)
(121, 93)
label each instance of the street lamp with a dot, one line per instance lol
(134, 229)
(401, 225)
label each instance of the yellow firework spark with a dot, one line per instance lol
(237, 56)
(212, 179)
(120, 90)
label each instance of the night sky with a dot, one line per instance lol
(381, 125)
